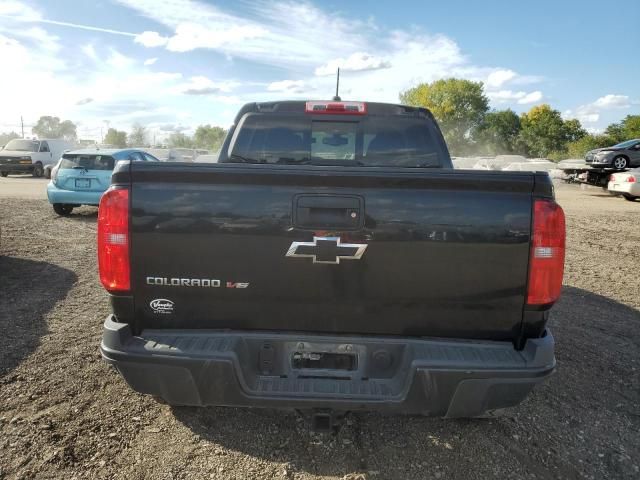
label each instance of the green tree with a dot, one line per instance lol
(498, 133)
(615, 132)
(209, 137)
(52, 127)
(627, 129)
(544, 133)
(632, 126)
(578, 148)
(138, 136)
(574, 130)
(458, 105)
(180, 140)
(116, 138)
(6, 137)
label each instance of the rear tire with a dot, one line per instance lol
(620, 162)
(630, 198)
(62, 209)
(37, 170)
(4, 174)
(47, 172)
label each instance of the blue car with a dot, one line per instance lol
(82, 176)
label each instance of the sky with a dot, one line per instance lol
(174, 64)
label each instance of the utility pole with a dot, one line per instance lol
(107, 123)
(22, 125)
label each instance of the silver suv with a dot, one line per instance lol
(620, 156)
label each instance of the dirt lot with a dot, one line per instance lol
(65, 414)
(23, 186)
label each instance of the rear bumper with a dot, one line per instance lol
(433, 377)
(58, 195)
(624, 187)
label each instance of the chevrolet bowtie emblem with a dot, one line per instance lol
(327, 250)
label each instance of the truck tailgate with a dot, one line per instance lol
(408, 252)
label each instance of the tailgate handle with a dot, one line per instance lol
(343, 212)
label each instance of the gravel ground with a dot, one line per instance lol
(65, 414)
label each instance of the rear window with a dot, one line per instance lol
(367, 141)
(87, 162)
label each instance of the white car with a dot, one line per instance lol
(37, 157)
(626, 184)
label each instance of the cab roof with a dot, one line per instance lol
(298, 106)
(103, 151)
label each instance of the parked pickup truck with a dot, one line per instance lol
(331, 261)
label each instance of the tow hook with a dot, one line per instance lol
(326, 420)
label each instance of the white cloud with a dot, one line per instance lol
(288, 86)
(190, 36)
(151, 39)
(356, 62)
(612, 101)
(119, 61)
(531, 97)
(496, 81)
(171, 127)
(301, 38)
(86, 85)
(200, 85)
(498, 78)
(520, 97)
(504, 96)
(280, 33)
(39, 36)
(584, 113)
(589, 117)
(90, 51)
(28, 97)
(294, 39)
(19, 10)
(14, 14)
(114, 89)
(592, 112)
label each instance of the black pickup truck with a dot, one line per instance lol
(331, 261)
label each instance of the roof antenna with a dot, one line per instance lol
(337, 98)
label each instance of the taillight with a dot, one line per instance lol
(546, 264)
(631, 179)
(113, 240)
(337, 108)
(54, 174)
(612, 178)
